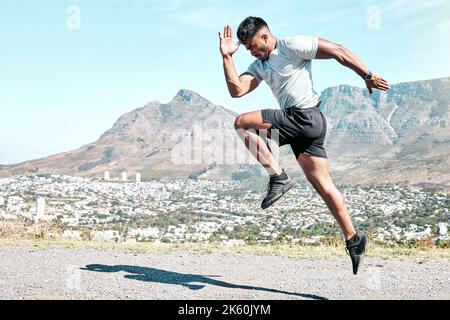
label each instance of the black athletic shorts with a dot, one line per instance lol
(303, 129)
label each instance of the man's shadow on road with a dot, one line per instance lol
(183, 279)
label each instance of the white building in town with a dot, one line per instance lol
(72, 234)
(124, 176)
(443, 229)
(138, 177)
(149, 232)
(40, 208)
(106, 177)
(107, 235)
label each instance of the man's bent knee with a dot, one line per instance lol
(239, 122)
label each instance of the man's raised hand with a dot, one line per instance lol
(227, 46)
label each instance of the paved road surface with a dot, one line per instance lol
(59, 273)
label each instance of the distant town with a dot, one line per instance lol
(175, 211)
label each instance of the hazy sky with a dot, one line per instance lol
(69, 69)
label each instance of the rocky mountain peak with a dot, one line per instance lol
(185, 96)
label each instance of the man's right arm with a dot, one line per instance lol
(238, 86)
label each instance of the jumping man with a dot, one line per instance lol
(285, 65)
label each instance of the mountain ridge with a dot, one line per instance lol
(369, 136)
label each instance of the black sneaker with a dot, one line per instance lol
(278, 185)
(356, 248)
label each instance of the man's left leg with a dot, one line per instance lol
(316, 171)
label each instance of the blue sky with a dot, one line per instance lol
(62, 86)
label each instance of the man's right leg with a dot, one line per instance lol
(279, 182)
(254, 143)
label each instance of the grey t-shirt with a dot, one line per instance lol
(287, 71)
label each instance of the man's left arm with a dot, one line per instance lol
(329, 50)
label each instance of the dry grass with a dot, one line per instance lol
(46, 234)
(294, 251)
(16, 229)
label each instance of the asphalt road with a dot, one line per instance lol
(60, 273)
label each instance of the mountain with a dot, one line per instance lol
(399, 136)
(150, 140)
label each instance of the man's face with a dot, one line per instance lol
(258, 46)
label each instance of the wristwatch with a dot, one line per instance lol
(368, 77)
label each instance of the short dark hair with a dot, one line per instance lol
(249, 27)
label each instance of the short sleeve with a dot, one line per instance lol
(302, 47)
(253, 70)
